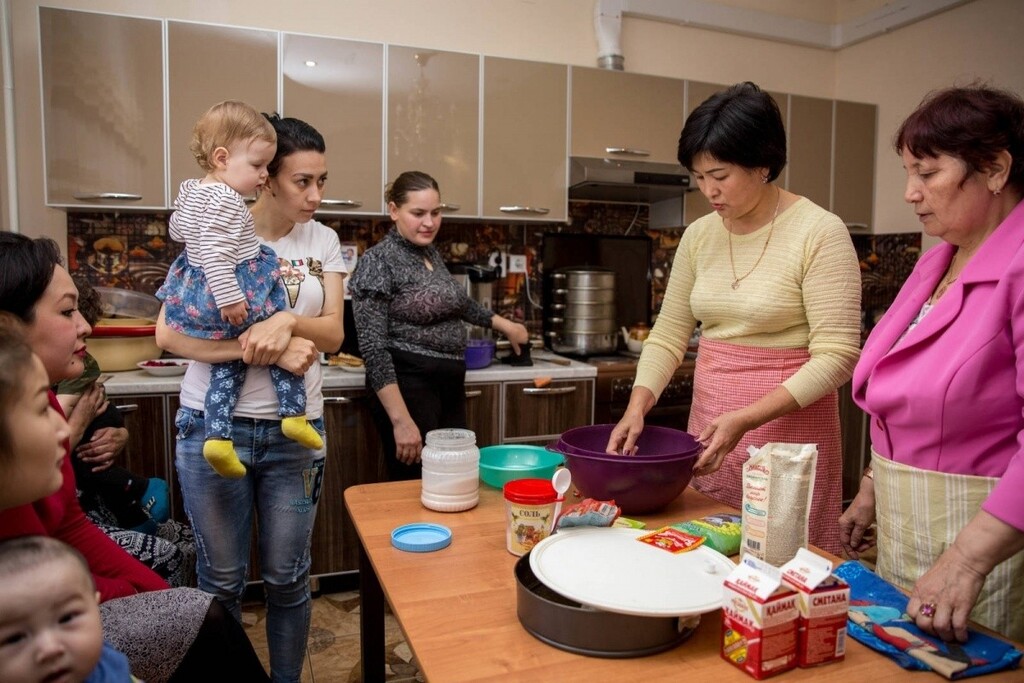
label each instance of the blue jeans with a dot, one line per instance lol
(282, 486)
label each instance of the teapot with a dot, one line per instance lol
(635, 336)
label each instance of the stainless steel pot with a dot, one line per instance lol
(585, 296)
(583, 343)
(577, 310)
(589, 325)
(584, 278)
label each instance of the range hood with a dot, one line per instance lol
(616, 180)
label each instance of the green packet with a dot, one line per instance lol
(721, 532)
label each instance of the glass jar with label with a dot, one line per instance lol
(451, 470)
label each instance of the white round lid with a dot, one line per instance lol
(607, 568)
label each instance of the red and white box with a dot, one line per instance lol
(824, 603)
(759, 619)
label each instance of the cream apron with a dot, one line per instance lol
(730, 376)
(919, 513)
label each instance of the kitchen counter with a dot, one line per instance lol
(134, 382)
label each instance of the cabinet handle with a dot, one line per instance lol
(108, 195)
(549, 391)
(474, 393)
(628, 151)
(341, 202)
(128, 408)
(524, 209)
(337, 399)
(450, 207)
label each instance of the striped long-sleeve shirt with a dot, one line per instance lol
(217, 229)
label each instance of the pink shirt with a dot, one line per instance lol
(949, 397)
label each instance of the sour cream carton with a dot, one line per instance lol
(759, 619)
(823, 601)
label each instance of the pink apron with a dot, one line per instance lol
(729, 377)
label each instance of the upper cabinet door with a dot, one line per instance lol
(853, 180)
(434, 121)
(207, 65)
(103, 104)
(524, 139)
(625, 115)
(810, 149)
(337, 86)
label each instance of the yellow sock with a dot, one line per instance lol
(297, 429)
(220, 453)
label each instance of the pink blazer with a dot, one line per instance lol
(950, 396)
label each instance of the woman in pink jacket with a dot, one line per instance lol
(942, 376)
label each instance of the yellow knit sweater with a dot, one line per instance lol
(805, 293)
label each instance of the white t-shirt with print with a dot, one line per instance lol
(304, 254)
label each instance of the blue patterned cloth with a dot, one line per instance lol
(190, 309)
(878, 620)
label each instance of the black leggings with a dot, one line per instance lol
(434, 391)
(220, 652)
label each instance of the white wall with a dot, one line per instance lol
(983, 38)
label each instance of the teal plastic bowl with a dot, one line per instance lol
(501, 464)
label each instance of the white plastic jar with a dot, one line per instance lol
(451, 470)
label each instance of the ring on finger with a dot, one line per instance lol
(927, 610)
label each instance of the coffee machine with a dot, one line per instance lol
(478, 281)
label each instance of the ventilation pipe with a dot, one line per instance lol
(608, 27)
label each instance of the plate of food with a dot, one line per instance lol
(165, 367)
(343, 361)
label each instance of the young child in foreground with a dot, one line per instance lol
(50, 627)
(225, 280)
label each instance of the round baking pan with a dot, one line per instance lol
(568, 625)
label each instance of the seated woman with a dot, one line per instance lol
(132, 510)
(179, 634)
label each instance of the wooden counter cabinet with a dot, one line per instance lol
(483, 413)
(354, 456)
(540, 415)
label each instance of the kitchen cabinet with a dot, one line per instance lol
(810, 149)
(337, 86)
(853, 169)
(149, 419)
(524, 140)
(623, 115)
(103, 109)
(434, 121)
(483, 413)
(540, 415)
(354, 456)
(208, 64)
(856, 441)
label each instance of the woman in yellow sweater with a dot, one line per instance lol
(773, 280)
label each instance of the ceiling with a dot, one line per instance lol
(829, 24)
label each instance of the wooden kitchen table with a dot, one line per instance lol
(457, 606)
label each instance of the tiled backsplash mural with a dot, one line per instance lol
(133, 251)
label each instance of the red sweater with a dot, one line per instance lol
(59, 515)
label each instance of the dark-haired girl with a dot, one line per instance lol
(774, 281)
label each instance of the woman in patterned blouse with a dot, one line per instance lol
(410, 313)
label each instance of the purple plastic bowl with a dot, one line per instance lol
(637, 486)
(654, 442)
(479, 353)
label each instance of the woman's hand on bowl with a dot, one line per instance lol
(622, 440)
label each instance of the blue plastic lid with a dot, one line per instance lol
(421, 537)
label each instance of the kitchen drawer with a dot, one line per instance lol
(533, 413)
(483, 413)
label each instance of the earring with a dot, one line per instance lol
(996, 193)
(764, 180)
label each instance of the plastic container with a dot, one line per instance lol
(529, 513)
(654, 442)
(507, 462)
(451, 470)
(479, 353)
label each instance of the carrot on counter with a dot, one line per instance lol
(540, 382)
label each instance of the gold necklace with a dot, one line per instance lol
(736, 278)
(949, 279)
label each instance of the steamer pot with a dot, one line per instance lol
(585, 278)
(590, 326)
(584, 296)
(583, 343)
(606, 311)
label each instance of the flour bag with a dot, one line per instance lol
(778, 483)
